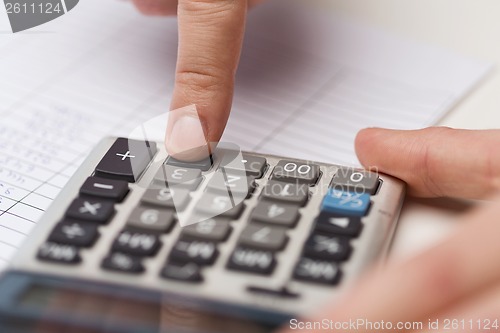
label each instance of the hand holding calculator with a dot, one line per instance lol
(141, 242)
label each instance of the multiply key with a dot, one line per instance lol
(91, 210)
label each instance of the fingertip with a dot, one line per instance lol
(365, 145)
(185, 138)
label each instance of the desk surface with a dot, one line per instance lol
(471, 28)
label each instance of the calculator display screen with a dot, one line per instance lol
(105, 310)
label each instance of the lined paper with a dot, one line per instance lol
(307, 82)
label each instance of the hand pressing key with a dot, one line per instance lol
(210, 38)
(459, 278)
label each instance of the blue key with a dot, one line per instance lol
(346, 203)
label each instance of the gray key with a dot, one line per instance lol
(214, 229)
(355, 180)
(292, 193)
(291, 171)
(276, 213)
(251, 164)
(235, 183)
(167, 198)
(264, 237)
(152, 219)
(211, 205)
(179, 177)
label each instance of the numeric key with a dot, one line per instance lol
(215, 229)
(291, 171)
(263, 237)
(176, 177)
(276, 213)
(167, 198)
(296, 194)
(203, 165)
(151, 219)
(356, 180)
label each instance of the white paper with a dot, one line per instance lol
(307, 82)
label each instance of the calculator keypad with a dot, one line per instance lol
(278, 198)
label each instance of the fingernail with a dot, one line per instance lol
(186, 140)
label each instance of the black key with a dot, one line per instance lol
(276, 213)
(59, 253)
(105, 188)
(126, 159)
(317, 271)
(262, 236)
(331, 248)
(81, 234)
(355, 180)
(251, 164)
(151, 219)
(291, 171)
(339, 225)
(121, 262)
(296, 194)
(203, 165)
(185, 272)
(136, 243)
(252, 261)
(214, 229)
(198, 252)
(176, 177)
(91, 210)
(167, 198)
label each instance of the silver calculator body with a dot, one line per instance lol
(39, 295)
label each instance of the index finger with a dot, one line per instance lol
(210, 37)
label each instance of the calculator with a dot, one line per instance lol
(139, 241)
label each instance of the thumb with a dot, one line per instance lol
(210, 38)
(436, 161)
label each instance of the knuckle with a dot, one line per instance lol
(203, 79)
(428, 157)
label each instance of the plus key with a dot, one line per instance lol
(126, 159)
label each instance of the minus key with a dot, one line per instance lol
(105, 188)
